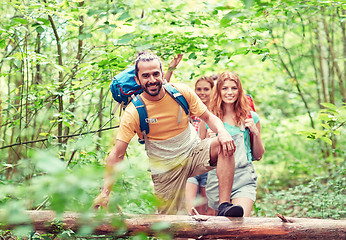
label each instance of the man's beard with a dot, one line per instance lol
(153, 94)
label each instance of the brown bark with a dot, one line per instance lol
(1, 87)
(78, 58)
(334, 59)
(13, 155)
(313, 58)
(100, 117)
(63, 137)
(322, 64)
(38, 77)
(60, 97)
(291, 73)
(36, 81)
(344, 44)
(198, 227)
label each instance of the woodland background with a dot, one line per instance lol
(59, 56)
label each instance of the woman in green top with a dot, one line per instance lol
(230, 104)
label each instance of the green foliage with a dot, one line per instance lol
(331, 120)
(57, 59)
(320, 197)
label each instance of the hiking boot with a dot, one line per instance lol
(229, 210)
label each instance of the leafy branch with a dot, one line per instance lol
(59, 137)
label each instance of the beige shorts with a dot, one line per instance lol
(170, 186)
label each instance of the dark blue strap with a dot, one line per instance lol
(142, 112)
(177, 96)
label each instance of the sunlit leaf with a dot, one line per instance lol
(21, 20)
(43, 21)
(242, 50)
(40, 29)
(327, 140)
(84, 36)
(248, 3)
(229, 16)
(123, 16)
(2, 43)
(193, 56)
(329, 105)
(126, 38)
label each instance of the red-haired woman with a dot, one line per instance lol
(230, 104)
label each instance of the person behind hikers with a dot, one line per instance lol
(195, 186)
(174, 149)
(231, 105)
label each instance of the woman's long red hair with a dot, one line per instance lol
(241, 105)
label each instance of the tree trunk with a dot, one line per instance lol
(322, 61)
(289, 67)
(61, 84)
(100, 117)
(198, 227)
(313, 58)
(334, 59)
(344, 45)
(78, 58)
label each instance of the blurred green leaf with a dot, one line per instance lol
(329, 105)
(125, 15)
(84, 36)
(49, 163)
(160, 226)
(327, 140)
(248, 3)
(21, 20)
(43, 21)
(126, 38)
(229, 16)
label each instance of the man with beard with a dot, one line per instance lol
(174, 149)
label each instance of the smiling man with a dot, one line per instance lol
(174, 149)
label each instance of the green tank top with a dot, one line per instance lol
(233, 130)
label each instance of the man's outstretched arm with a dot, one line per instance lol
(115, 156)
(225, 139)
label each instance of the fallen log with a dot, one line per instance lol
(197, 227)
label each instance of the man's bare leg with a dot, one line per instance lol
(225, 174)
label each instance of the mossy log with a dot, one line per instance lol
(196, 227)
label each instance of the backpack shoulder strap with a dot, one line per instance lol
(142, 112)
(251, 104)
(177, 96)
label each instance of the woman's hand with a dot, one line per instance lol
(250, 124)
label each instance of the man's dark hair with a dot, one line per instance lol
(146, 56)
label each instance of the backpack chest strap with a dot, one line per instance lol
(177, 96)
(142, 113)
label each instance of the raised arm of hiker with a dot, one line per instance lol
(115, 156)
(172, 66)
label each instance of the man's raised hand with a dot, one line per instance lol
(227, 143)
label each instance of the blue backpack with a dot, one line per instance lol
(125, 88)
